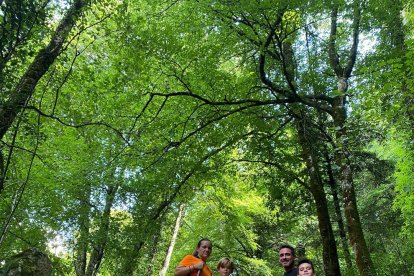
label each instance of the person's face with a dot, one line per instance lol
(224, 271)
(204, 250)
(305, 269)
(286, 258)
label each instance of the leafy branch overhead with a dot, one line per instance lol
(132, 129)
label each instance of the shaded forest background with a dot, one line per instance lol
(131, 129)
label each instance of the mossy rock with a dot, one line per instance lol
(31, 262)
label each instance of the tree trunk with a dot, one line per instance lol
(337, 206)
(310, 156)
(356, 235)
(25, 88)
(167, 259)
(102, 235)
(338, 112)
(129, 263)
(82, 243)
(153, 253)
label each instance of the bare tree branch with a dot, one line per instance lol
(120, 134)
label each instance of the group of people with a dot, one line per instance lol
(195, 264)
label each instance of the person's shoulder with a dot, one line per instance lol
(292, 272)
(187, 257)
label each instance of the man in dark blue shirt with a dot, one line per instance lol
(287, 259)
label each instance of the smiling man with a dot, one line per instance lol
(287, 259)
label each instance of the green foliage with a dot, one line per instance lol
(24, 26)
(396, 151)
(108, 114)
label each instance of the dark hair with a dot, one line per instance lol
(292, 249)
(306, 261)
(225, 262)
(195, 253)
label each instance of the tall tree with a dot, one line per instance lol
(339, 115)
(20, 94)
(270, 38)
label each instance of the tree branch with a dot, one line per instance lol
(120, 134)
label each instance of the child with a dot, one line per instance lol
(225, 266)
(305, 268)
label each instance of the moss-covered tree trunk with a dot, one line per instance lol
(356, 235)
(308, 143)
(339, 114)
(40, 65)
(337, 205)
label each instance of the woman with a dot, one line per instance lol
(196, 263)
(305, 268)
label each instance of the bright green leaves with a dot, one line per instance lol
(164, 102)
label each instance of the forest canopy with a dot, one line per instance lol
(132, 129)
